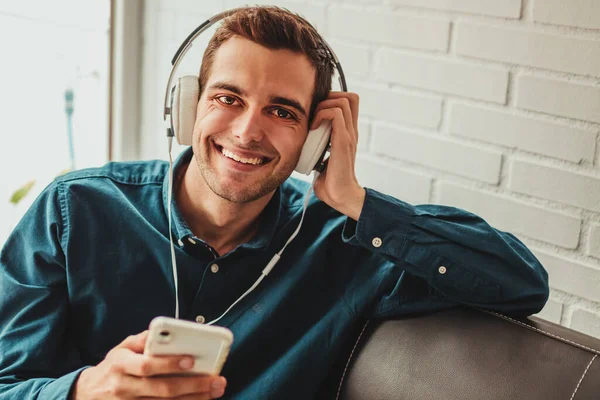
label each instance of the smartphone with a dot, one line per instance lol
(208, 344)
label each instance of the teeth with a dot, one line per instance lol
(229, 154)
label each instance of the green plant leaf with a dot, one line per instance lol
(21, 192)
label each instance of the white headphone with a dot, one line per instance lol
(180, 108)
(179, 113)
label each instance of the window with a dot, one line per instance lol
(54, 79)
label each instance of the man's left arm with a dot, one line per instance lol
(457, 253)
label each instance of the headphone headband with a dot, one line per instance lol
(187, 44)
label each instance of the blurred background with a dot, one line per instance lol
(491, 105)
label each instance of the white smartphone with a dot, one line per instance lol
(208, 344)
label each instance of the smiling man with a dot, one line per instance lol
(89, 266)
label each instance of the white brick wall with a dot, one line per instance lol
(442, 74)
(559, 97)
(389, 28)
(578, 13)
(395, 105)
(439, 153)
(521, 46)
(507, 128)
(504, 8)
(492, 106)
(515, 216)
(555, 184)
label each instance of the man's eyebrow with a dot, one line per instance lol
(273, 99)
(228, 86)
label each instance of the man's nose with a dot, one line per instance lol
(247, 127)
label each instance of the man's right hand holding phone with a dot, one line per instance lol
(126, 373)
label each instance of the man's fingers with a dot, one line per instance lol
(354, 100)
(171, 387)
(336, 116)
(135, 343)
(341, 103)
(145, 366)
(205, 396)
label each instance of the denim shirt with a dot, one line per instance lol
(90, 264)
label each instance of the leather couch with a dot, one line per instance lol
(466, 354)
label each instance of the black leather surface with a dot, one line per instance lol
(464, 354)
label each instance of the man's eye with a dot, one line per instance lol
(284, 114)
(227, 100)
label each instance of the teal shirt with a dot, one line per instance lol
(90, 264)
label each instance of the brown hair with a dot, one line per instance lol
(275, 28)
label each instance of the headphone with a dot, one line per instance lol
(179, 114)
(180, 106)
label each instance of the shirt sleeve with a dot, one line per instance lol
(38, 356)
(445, 255)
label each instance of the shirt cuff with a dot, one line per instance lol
(60, 388)
(383, 224)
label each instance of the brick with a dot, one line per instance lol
(586, 322)
(556, 97)
(438, 152)
(400, 106)
(364, 132)
(525, 47)
(580, 13)
(494, 8)
(389, 28)
(570, 276)
(593, 245)
(515, 216)
(524, 133)
(552, 311)
(355, 59)
(554, 184)
(408, 186)
(443, 75)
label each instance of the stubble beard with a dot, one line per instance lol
(247, 193)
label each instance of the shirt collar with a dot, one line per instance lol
(268, 219)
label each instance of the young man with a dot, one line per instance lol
(89, 265)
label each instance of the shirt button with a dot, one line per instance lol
(214, 268)
(192, 241)
(200, 319)
(376, 242)
(442, 270)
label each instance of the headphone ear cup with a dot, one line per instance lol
(184, 102)
(314, 148)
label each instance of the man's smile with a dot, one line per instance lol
(242, 159)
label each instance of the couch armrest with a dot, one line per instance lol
(467, 354)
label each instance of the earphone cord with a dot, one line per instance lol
(173, 260)
(264, 272)
(277, 256)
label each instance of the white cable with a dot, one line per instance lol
(173, 260)
(277, 256)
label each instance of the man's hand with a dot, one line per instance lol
(126, 373)
(338, 186)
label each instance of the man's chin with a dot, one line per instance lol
(240, 195)
(241, 190)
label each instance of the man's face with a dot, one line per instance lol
(252, 119)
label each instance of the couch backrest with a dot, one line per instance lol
(466, 354)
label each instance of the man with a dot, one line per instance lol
(89, 265)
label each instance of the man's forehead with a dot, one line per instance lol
(261, 71)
